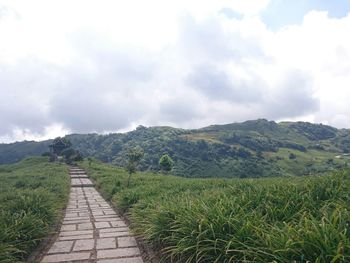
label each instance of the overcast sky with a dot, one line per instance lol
(103, 66)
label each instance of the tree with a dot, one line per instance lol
(292, 156)
(166, 163)
(71, 155)
(78, 156)
(134, 156)
(46, 154)
(243, 153)
(63, 147)
(68, 153)
(59, 144)
(259, 154)
(90, 161)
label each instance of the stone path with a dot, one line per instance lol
(91, 230)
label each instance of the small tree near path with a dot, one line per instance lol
(134, 156)
(59, 144)
(62, 147)
(166, 163)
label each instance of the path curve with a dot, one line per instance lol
(91, 230)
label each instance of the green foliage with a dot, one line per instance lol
(134, 156)
(292, 156)
(89, 160)
(295, 219)
(251, 142)
(314, 131)
(14, 152)
(343, 141)
(166, 163)
(32, 193)
(70, 155)
(60, 144)
(63, 147)
(247, 149)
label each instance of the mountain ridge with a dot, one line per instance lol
(254, 148)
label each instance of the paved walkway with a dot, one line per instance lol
(91, 230)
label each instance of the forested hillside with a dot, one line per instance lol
(250, 149)
(14, 152)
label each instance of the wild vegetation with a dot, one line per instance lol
(14, 152)
(257, 148)
(63, 147)
(134, 156)
(280, 219)
(166, 163)
(290, 219)
(32, 194)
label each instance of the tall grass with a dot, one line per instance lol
(32, 193)
(295, 219)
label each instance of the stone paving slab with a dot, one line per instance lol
(66, 257)
(122, 260)
(91, 231)
(115, 234)
(75, 237)
(61, 247)
(127, 242)
(81, 182)
(118, 253)
(105, 243)
(78, 176)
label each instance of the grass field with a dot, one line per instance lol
(293, 219)
(310, 162)
(32, 194)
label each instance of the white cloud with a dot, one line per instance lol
(83, 66)
(319, 46)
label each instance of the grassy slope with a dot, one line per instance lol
(32, 194)
(248, 220)
(310, 162)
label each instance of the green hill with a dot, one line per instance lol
(14, 152)
(257, 148)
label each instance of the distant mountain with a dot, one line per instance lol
(256, 148)
(14, 152)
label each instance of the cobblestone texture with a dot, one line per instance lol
(91, 230)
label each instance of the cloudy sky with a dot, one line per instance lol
(103, 66)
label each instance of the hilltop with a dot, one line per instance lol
(256, 148)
